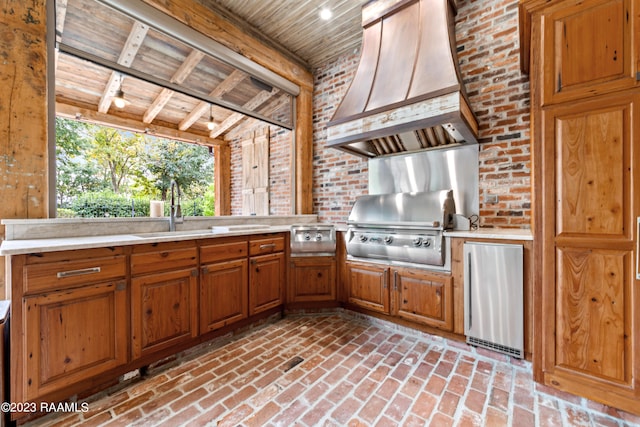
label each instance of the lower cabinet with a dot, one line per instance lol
(58, 352)
(312, 279)
(164, 310)
(267, 272)
(224, 283)
(423, 297)
(164, 286)
(223, 294)
(266, 282)
(413, 294)
(368, 286)
(68, 320)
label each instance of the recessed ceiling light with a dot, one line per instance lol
(326, 14)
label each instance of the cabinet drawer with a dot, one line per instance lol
(163, 260)
(59, 275)
(224, 251)
(266, 246)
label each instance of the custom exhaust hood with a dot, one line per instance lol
(407, 93)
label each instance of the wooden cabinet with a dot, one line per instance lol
(423, 297)
(417, 295)
(164, 309)
(267, 273)
(586, 48)
(585, 122)
(224, 296)
(312, 279)
(368, 286)
(74, 310)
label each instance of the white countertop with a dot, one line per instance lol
(493, 233)
(17, 247)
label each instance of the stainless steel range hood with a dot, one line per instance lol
(407, 93)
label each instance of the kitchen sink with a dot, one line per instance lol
(239, 227)
(203, 232)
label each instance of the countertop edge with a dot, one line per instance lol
(21, 247)
(492, 233)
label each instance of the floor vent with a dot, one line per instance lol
(496, 347)
(293, 363)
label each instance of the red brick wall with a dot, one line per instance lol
(487, 36)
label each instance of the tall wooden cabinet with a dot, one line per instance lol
(586, 147)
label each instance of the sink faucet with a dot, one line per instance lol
(175, 212)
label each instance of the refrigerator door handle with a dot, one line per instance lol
(468, 302)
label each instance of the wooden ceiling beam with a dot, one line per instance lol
(185, 69)
(87, 115)
(227, 84)
(235, 118)
(127, 55)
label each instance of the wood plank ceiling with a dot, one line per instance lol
(86, 90)
(295, 26)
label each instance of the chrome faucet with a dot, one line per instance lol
(175, 212)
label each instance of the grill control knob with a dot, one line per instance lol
(388, 239)
(417, 241)
(362, 238)
(318, 237)
(307, 236)
(426, 243)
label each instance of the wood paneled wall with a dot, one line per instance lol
(23, 113)
(23, 101)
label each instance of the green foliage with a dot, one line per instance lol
(100, 170)
(66, 213)
(164, 160)
(116, 152)
(209, 201)
(108, 204)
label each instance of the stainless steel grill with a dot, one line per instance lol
(313, 239)
(402, 228)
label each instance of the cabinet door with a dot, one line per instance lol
(164, 310)
(589, 289)
(588, 49)
(223, 294)
(266, 282)
(73, 335)
(368, 286)
(312, 279)
(423, 297)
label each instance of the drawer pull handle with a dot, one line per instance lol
(268, 246)
(81, 272)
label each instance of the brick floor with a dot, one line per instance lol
(356, 371)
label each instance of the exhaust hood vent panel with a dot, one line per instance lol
(393, 75)
(407, 93)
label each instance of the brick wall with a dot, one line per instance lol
(338, 177)
(487, 36)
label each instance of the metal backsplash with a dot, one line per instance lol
(453, 168)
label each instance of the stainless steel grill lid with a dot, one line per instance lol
(427, 209)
